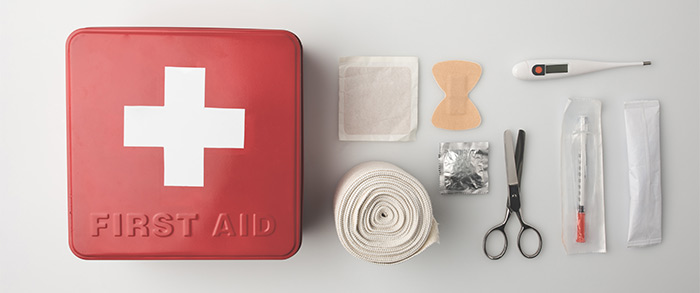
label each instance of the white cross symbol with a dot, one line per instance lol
(183, 127)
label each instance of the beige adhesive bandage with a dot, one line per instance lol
(456, 79)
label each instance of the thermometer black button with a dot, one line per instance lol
(538, 69)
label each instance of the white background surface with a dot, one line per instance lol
(34, 253)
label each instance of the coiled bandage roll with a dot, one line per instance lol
(383, 214)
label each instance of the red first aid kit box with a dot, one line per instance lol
(184, 143)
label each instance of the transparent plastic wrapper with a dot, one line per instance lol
(582, 199)
(644, 161)
(464, 167)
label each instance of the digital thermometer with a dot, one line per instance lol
(558, 68)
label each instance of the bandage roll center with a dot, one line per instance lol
(383, 214)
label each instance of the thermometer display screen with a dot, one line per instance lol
(556, 68)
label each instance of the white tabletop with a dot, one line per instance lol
(497, 34)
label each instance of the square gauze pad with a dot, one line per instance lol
(378, 98)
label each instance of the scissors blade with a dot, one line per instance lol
(511, 170)
(519, 150)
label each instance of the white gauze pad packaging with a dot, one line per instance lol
(644, 161)
(378, 98)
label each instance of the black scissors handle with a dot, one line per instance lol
(523, 227)
(500, 228)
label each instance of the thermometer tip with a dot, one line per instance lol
(645, 63)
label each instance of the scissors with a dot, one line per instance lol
(514, 162)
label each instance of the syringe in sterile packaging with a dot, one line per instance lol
(582, 178)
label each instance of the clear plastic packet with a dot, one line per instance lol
(582, 199)
(463, 167)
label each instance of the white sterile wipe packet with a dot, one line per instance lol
(378, 98)
(644, 161)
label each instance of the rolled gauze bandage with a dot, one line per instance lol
(383, 214)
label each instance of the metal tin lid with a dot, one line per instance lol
(184, 143)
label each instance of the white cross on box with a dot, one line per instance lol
(183, 126)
